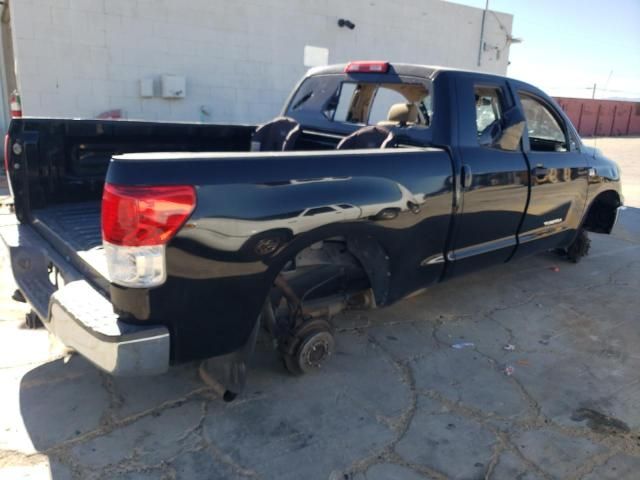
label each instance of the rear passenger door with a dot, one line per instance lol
(494, 177)
(559, 177)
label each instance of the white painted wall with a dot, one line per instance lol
(77, 58)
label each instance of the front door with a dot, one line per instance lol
(559, 177)
(494, 177)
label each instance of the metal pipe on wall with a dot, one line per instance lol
(484, 17)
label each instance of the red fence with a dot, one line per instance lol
(605, 118)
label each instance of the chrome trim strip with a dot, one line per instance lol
(433, 260)
(553, 222)
(538, 233)
(482, 248)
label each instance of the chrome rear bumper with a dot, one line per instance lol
(77, 313)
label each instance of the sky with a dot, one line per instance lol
(568, 45)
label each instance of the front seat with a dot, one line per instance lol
(368, 137)
(277, 135)
(401, 115)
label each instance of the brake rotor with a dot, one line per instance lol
(308, 347)
(314, 350)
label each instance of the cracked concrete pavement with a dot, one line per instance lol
(395, 402)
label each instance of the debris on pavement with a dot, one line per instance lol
(461, 345)
(554, 268)
(600, 422)
(509, 370)
(523, 362)
(509, 347)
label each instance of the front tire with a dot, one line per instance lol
(579, 248)
(32, 321)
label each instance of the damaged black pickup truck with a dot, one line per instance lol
(378, 180)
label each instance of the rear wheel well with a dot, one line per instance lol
(315, 280)
(601, 215)
(348, 253)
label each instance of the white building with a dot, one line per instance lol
(239, 58)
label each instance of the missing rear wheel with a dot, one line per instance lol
(308, 348)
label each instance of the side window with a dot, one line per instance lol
(488, 109)
(490, 128)
(545, 132)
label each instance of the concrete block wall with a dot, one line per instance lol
(241, 58)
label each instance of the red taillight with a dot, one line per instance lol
(367, 67)
(15, 104)
(143, 216)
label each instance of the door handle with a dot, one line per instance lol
(466, 177)
(540, 171)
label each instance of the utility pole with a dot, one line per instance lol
(484, 17)
(593, 94)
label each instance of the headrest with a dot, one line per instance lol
(403, 113)
(279, 134)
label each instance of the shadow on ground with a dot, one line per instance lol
(545, 385)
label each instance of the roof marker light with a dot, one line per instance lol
(367, 67)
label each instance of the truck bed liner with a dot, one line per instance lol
(77, 223)
(74, 230)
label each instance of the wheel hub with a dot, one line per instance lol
(315, 349)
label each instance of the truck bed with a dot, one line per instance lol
(77, 223)
(63, 204)
(74, 230)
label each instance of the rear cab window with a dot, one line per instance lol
(340, 101)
